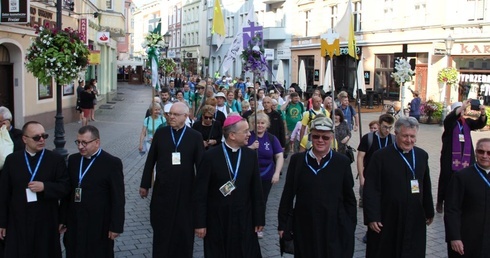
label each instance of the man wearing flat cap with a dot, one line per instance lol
(321, 181)
(228, 203)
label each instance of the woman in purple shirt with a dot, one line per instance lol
(270, 153)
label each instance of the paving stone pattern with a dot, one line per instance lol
(120, 128)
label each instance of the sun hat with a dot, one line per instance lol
(321, 123)
(220, 94)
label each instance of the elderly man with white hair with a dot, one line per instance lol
(15, 134)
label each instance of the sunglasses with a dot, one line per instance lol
(84, 144)
(317, 137)
(200, 88)
(38, 137)
(208, 117)
(481, 152)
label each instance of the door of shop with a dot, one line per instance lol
(7, 86)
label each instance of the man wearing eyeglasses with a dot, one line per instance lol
(175, 150)
(397, 198)
(31, 184)
(466, 213)
(93, 213)
(321, 181)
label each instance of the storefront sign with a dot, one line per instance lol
(103, 37)
(269, 54)
(283, 53)
(94, 57)
(472, 48)
(41, 17)
(14, 11)
(83, 30)
(474, 78)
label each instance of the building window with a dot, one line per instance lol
(476, 10)
(230, 26)
(333, 15)
(357, 16)
(108, 4)
(382, 75)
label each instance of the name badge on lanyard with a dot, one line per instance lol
(32, 196)
(176, 154)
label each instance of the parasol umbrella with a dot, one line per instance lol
(328, 80)
(360, 79)
(302, 76)
(280, 73)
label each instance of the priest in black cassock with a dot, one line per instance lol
(176, 150)
(228, 202)
(457, 146)
(397, 198)
(31, 184)
(467, 209)
(93, 213)
(321, 181)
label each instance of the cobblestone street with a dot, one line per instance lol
(120, 128)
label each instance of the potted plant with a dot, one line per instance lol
(431, 112)
(58, 54)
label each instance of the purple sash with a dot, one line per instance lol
(461, 158)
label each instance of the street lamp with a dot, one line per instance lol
(166, 37)
(449, 41)
(59, 127)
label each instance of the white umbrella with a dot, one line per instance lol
(280, 74)
(328, 83)
(302, 76)
(360, 78)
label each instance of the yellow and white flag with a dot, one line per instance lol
(345, 29)
(218, 23)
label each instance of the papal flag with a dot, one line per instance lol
(218, 23)
(345, 29)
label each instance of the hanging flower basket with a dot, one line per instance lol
(253, 57)
(56, 54)
(448, 75)
(403, 72)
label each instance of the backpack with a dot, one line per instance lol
(160, 126)
(310, 117)
(371, 137)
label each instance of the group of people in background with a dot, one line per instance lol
(87, 100)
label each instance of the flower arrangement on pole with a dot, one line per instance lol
(253, 57)
(403, 72)
(167, 65)
(448, 75)
(58, 54)
(153, 43)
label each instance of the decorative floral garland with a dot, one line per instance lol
(153, 40)
(448, 75)
(403, 72)
(56, 54)
(253, 57)
(167, 64)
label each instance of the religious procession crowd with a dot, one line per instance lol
(215, 148)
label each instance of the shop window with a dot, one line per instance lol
(382, 76)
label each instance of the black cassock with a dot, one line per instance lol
(229, 221)
(446, 159)
(171, 201)
(467, 213)
(388, 199)
(101, 208)
(325, 214)
(32, 228)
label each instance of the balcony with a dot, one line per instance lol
(274, 33)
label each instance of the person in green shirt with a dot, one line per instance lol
(293, 111)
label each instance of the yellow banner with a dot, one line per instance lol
(94, 57)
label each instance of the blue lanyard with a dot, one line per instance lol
(324, 165)
(33, 174)
(80, 174)
(460, 126)
(180, 139)
(406, 161)
(379, 141)
(228, 162)
(481, 174)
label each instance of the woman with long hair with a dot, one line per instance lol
(93, 84)
(87, 98)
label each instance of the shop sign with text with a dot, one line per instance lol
(14, 11)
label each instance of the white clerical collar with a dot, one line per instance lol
(95, 154)
(232, 149)
(32, 154)
(486, 170)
